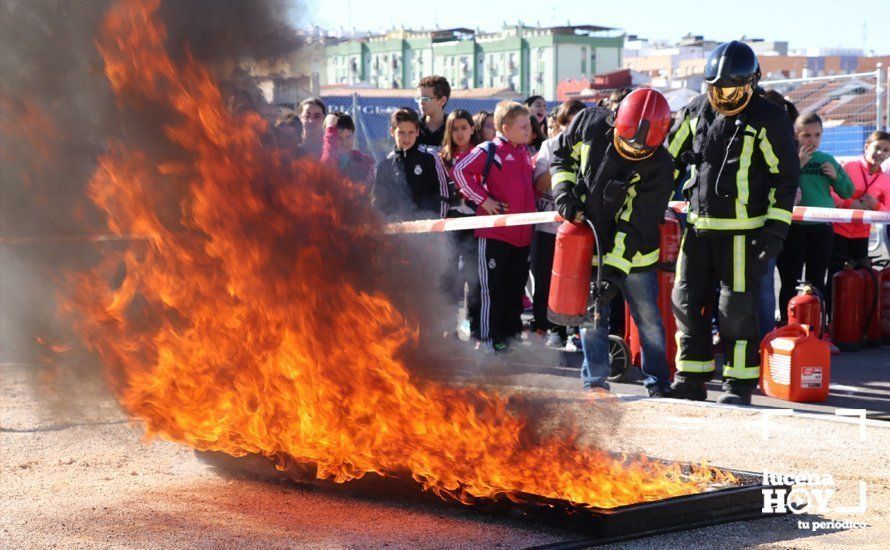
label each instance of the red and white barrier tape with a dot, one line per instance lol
(801, 214)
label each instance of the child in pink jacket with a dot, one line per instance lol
(503, 251)
(871, 192)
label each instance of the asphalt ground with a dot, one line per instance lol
(77, 473)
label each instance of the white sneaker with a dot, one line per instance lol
(463, 331)
(554, 340)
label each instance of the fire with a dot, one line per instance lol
(243, 325)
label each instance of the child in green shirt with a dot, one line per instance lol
(809, 243)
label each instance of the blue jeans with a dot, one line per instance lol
(766, 299)
(640, 291)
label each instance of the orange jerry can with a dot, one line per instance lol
(795, 365)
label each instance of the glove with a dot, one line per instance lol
(569, 207)
(767, 245)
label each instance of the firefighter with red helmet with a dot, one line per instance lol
(744, 175)
(611, 168)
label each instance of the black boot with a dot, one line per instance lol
(689, 389)
(734, 394)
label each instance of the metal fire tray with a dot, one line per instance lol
(721, 504)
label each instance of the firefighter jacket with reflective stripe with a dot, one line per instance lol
(744, 169)
(625, 200)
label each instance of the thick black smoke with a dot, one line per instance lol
(57, 115)
(51, 67)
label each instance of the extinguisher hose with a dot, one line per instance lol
(599, 275)
(822, 313)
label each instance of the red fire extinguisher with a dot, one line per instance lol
(848, 287)
(884, 285)
(806, 308)
(570, 282)
(871, 302)
(669, 251)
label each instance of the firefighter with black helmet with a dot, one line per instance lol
(612, 169)
(744, 175)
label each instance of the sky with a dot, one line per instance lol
(811, 23)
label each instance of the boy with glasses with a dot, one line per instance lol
(433, 93)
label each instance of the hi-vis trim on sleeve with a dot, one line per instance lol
(628, 208)
(585, 154)
(576, 151)
(773, 213)
(768, 154)
(564, 176)
(679, 138)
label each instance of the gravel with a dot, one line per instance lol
(77, 474)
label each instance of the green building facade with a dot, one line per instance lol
(528, 60)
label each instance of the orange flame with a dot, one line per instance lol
(217, 331)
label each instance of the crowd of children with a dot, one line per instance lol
(463, 164)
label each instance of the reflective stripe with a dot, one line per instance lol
(679, 138)
(617, 263)
(741, 373)
(645, 260)
(741, 211)
(738, 263)
(693, 123)
(679, 268)
(778, 214)
(725, 224)
(585, 153)
(629, 200)
(738, 354)
(684, 365)
(615, 258)
(741, 179)
(576, 151)
(768, 155)
(564, 176)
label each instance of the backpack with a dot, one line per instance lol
(456, 197)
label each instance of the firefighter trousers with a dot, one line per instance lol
(706, 263)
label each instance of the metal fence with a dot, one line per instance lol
(851, 106)
(371, 116)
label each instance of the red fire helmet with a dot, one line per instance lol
(641, 123)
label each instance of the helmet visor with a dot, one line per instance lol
(729, 100)
(632, 151)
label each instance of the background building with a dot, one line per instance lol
(527, 60)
